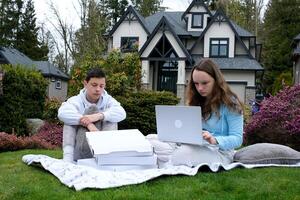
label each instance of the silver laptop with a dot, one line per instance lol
(180, 124)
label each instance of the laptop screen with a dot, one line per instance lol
(180, 124)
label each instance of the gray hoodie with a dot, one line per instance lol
(72, 110)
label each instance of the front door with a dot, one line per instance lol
(167, 76)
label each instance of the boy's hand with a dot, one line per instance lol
(87, 119)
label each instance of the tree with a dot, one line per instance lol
(67, 33)
(117, 9)
(147, 7)
(281, 25)
(89, 40)
(246, 13)
(27, 35)
(10, 12)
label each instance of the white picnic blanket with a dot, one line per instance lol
(81, 177)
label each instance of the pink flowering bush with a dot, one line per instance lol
(11, 142)
(48, 137)
(51, 133)
(278, 120)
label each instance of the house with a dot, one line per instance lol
(170, 43)
(58, 81)
(296, 59)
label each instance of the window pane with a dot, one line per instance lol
(129, 43)
(223, 41)
(197, 20)
(215, 41)
(214, 50)
(58, 84)
(223, 50)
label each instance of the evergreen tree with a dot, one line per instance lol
(246, 13)
(281, 25)
(10, 12)
(27, 36)
(147, 7)
(117, 9)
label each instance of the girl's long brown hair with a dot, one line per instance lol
(221, 93)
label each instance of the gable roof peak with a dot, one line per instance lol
(220, 11)
(163, 25)
(139, 17)
(196, 3)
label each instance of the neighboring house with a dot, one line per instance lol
(58, 81)
(296, 58)
(170, 43)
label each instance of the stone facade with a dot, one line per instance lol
(250, 94)
(181, 93)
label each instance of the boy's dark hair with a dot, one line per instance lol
(94, 73)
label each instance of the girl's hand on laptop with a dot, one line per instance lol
(208, 137)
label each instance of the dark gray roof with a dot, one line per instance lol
(179, 25)
(241, 32)
(49, 70)
(174, 18)
(140, 17)
(193, 4)
(15, 57)
(238, 63)
(297, 37)
(132, 10)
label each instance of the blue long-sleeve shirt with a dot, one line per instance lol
(227, 128)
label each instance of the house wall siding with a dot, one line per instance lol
(222, 30)
(129, 29)
(151, 45)
(246, 42)
(58, 93)
(239, 49)
(239, 89)
(190, 43)
(175, 44)
(245, 76)
(110, 44)
(199, 48)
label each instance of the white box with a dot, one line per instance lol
(126, 160)
(91, 162)
(119, 143)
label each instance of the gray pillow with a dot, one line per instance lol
(267, 153)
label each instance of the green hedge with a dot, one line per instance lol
(140, 109)
(24, 92)
(51, 109)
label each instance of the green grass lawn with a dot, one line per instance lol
(19, 181)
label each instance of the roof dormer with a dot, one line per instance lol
(196, 16)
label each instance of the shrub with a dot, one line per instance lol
(278, 120)
(24, 92)
(247, 114)
(123, 73)
(51, 133)
(117, 84)
(140, 109)
(11, 142)
(48, 137)
(78, 73)
(50, 110)
(283, 79)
